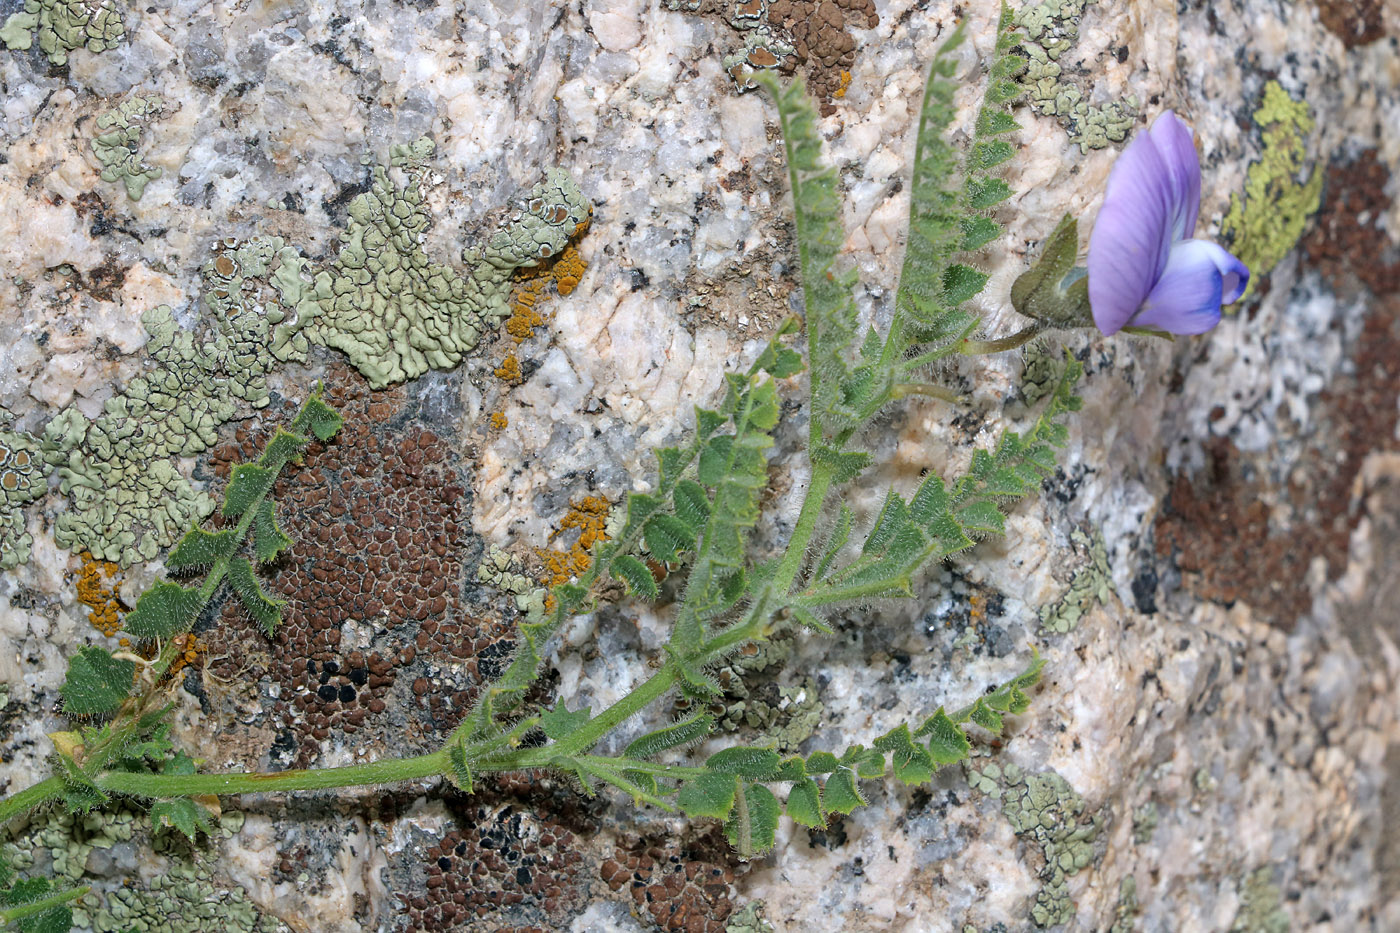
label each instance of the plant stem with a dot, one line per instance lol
(34, 908)
(817, 488)
(386, 771)
(29, 798)
(1011, 342)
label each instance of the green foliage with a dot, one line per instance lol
(560, 722)
(97, 683)
(686, 732)
(1051, 291)
(268, 538)
(198, 549)
(266, 611)
(164, 610)
(30, 905)
(182, 814)
(910, 755)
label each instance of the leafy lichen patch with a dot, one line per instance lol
(1261, 905)
(21, 482)
(118, 146)
(1051, 29)
(1092, 583)
(1266, 222)
(1047, 813)
(393, 311)
(62, 26)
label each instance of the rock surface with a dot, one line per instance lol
(1211, 746)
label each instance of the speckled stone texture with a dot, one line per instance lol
(1212, 744)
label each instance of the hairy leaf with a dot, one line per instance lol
(268, 538)
(97, 683)
(961, 283)
(461, 773)
(756, 764)
(200, 548)
(752, 828)
(692, 505)
(248, 483)
(947, 743)
(164, 610)
(841, 793)
(559, 722)
(691, 729)
(709, 795)
(804, 804)
(265, 611)
(637, 576)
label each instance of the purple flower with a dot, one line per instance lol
(1144, 269)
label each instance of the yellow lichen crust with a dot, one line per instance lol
(498, 420)
(97, 589)
(563, 273)
(509, 370)
(1265, 224)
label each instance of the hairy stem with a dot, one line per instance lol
(34, 908)
(1010, 342)
(29, 798)
(387, 771)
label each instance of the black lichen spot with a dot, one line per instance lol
(347, 693)
(1145, 590)
(327, 692)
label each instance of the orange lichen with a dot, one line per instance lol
(509, 370)
(977, 610)
(499, 420)
(563, 273)
(841, 85)
(188, 648)
(589, 515)
(100, 596)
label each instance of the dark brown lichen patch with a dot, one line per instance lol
(380, 530)
(683, 889)
(822, 41)
(505, 867)
(811, 35)
(1355, 22)
(1238, 539)
(1236, 536)
(1348, 244)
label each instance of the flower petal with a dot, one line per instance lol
(1132, 235)
(1175, 145)
(1187, 298)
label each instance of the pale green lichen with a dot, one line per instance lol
(749, 920)
(1145, 819)
(22, 470)
(129, 500)
(1264, 225)
(393, 311)
(63, 26)
(382, 301)
(1051, 28)
(1261, 905)
(183, 895)
(501, 570)
(1125, 915)
(118, 147)
(1092, 584)
(1046, 812)
(1042, 367)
